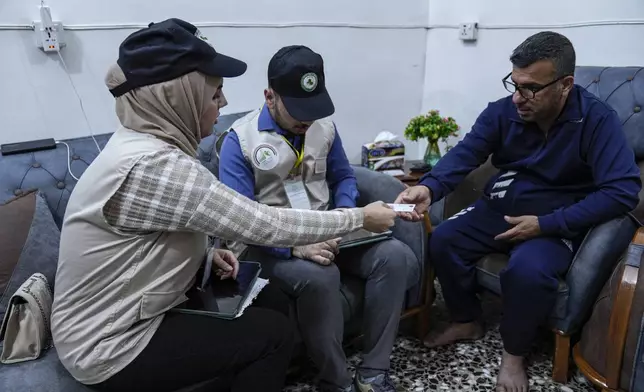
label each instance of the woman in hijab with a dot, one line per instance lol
(136, 228)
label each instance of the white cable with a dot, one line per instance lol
(9, 26)
(591, 23)
(257, 25)
(366, 25)
(564, 25)
(91, 131)
(482, 26)
(69, 159)
(80, 100)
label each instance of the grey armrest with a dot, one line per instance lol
(591, 268)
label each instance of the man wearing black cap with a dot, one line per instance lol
(289, 154)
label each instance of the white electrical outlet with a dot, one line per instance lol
(49, 40)
(468, 31)
(49, 34)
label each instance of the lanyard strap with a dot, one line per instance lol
(299, 155)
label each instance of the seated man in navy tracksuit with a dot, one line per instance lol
(564, 166)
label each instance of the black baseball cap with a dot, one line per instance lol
(296, 73)
(167, 50)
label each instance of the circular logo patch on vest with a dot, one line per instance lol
(265, 157)
(309, 82)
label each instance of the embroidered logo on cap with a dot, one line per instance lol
(202, 37)
(265, 157)
(309, 82)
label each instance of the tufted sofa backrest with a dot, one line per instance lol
(623, 89)
(47, 170)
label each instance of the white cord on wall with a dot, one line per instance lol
(80, 101)
(481, 26)
(69, 159)
(89, 125)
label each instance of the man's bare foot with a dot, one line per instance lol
(456, 332)
(512, 376)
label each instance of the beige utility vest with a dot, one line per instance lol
(112, 289)
(272, 160)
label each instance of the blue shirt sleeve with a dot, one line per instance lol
(340, 177)
(236, 173)
(616, 177)
(467, 155)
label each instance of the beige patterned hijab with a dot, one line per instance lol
(169, 110)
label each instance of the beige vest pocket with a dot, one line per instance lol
(319, 170)
(156, 303)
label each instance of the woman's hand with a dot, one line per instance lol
(225, 263)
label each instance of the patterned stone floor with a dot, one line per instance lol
(461, 367)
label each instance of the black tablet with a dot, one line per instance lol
(363, 237)
(222, 298)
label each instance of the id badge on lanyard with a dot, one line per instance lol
(294, 186)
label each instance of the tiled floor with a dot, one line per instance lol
(461, 367)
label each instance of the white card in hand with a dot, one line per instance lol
(402, 207)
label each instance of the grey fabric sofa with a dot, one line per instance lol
(47, 171)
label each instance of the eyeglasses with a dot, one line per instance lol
(527, 92)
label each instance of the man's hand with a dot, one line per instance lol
(418, 195)
(525, 227)
(378, 217)
(225, 263)
(335, 245)
(322, 253)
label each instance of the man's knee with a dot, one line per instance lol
(316, 277)
(528, 275)
(395, 261)
(537, 264)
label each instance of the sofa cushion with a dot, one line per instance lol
(44, 374)
(15, 221)
(29, 240)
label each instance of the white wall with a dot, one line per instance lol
(379, 77)
(460, 78)
(374, 74)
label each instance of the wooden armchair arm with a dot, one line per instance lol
(638, 238)
(427, 290)
(428, 222)
(428, 284)
(618, 326)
